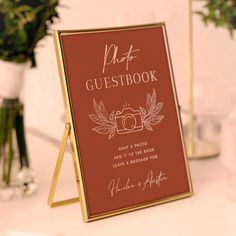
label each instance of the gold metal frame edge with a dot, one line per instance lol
(69, 117)
(178, 107)
(109, 29)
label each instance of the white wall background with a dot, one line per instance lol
(214, 55)
(215, 67)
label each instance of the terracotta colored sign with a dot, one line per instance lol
(121, 102)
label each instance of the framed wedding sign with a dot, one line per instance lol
(123, 112)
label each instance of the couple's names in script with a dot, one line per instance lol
(151, 180)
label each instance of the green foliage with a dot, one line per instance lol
(23, 23)
(221, 12)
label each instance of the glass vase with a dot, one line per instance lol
(16, 176)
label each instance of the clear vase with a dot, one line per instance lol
(16, 176)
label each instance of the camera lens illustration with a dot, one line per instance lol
(129, 122)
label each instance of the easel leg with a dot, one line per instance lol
(57, 172)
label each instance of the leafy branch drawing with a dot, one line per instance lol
(107, 125)
(150, 116)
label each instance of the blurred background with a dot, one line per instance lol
(213, 57)
(214, 75)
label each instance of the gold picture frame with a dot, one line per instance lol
(70, 131)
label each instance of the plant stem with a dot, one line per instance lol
(20, 134)
(11, 118)
(1, 133)
(10, 151)
(4, 119)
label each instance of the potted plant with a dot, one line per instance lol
(23, 23)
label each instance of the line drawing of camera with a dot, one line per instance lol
(128, 121)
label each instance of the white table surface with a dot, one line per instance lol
(209, 212)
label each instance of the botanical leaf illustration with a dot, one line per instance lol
(151, 117)
(154, 120)
(103, 109)
(149, 102)
(96, 107)
(106, 125)
(158, 107)
(112, 117)
(147, 126)
(103, 129)
(112, 133)
(96, 119)
(143, 111)
(154, 100)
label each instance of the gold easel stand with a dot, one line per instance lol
(195, 149)
(57, 172)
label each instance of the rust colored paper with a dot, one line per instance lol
(125, 117)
